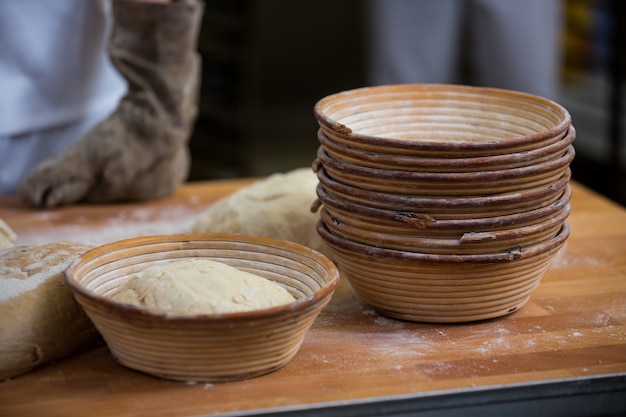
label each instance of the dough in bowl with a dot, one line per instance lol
(278, 206)
(39, 318)
(200, 286)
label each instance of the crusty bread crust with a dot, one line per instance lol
(39, 318)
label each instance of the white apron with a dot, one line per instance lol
(56, 80)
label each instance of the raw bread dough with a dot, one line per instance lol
(7, 236)
(200, 286)
(278, 206)
(39, 318)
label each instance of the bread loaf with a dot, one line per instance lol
(39, 318)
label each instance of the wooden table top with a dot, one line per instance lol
(572, 331)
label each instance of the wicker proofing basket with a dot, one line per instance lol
(417, 224)
(450, 208)
(381, 160)
(438, 120)
(446, 184)
(473, 243)
(204, 347)
(442, 288)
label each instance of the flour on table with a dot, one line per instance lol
(128, 223)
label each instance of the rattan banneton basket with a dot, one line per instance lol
(371, 159)
(204, 347)
(462, 184)
(418, 224)
(443, 121)
(443, 203)
(450, 207)
(470, 243)
(442, 288)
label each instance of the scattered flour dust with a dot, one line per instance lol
(206, 385)
(127, 223)
(398, 339)
(497, 341)
(566, 258)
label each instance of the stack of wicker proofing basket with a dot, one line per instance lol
(443, 203)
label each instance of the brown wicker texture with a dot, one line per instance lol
(451, 207)
(204, 347)
(436, 120)
(463, 184)
(390, 161)
(466, 243)
(416, 224)
(443, 203)
(442, 288)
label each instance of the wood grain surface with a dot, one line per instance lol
(573, 327)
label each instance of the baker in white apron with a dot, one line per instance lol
(78, 121)
(56, 80)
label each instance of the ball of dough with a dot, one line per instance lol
(200, 286)
(39, 318)
(278, 207)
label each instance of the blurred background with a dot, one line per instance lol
(266, 63)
